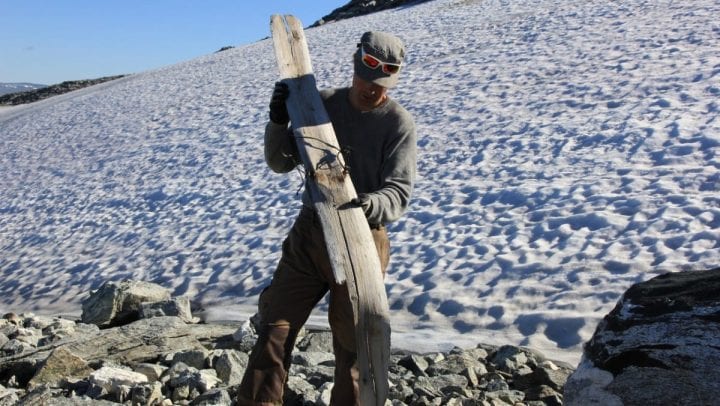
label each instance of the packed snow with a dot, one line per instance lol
(567, 150)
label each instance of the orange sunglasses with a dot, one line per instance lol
(373, 63)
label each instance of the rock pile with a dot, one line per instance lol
(162, 359)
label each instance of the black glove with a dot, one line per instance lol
(278, 109)
(363, 201)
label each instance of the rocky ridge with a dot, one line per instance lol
(356, 8)
(166, 357)
(12, 99)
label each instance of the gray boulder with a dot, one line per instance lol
(118, 303)
(177, 306)
(664, 337)
(230, 366)
(60, 367)
(195, 358)
(149, 393)
(213, 397)
(114, 380)
(321, 341)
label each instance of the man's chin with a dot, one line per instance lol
(370, 103)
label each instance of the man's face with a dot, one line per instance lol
(366, 95)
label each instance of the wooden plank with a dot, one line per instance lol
(353, 255)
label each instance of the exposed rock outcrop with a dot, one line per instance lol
(660, 345)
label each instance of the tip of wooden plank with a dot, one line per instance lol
(292, 20)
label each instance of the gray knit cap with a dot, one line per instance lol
(387, 48)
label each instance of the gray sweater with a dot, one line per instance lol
(383, 152)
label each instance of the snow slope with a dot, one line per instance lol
(567, 151)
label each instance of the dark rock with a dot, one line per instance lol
(664, 337)
(415, 363)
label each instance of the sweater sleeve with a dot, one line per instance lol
(397, 176)
(281, 153)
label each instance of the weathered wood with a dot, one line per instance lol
(353, 255)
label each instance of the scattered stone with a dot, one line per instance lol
(113, 379)
(193, 358)
(149, 393)
(230, 366)
(12, 318)
(508, 358)
(213, 397)
(245, 336)
(417, 364)
(152, 371)
(8, 396)
(321, 341)
(15, 347)
(311, 358)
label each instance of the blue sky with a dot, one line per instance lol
(50, 41)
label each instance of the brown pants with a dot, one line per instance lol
(301, 280)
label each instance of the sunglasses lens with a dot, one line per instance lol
(370, 61)
(391, 69)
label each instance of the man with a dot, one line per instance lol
(380, 135)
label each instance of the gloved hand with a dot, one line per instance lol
(363, 201)
(278, 109)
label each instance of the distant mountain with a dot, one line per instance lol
(43, 92)
(6, 88)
